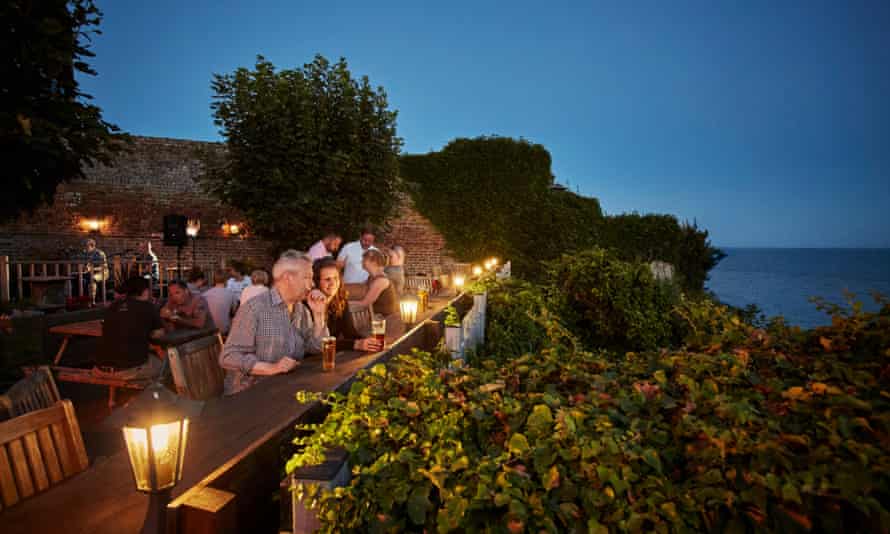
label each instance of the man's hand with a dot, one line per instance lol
(317, 302)
(368, 344)
(286, 364)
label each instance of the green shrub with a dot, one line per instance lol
(743, 436)
(611, 303)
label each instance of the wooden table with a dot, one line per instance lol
(94, 329)
(84, 328)
(103, 499)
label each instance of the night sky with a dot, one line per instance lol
(768, 123)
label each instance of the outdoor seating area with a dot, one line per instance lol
(234, 445)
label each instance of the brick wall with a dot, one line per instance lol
(157, 178)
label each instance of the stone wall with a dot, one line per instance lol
(157, 178)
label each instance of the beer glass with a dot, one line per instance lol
(328, 352)
(378, 329)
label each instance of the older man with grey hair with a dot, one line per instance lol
(272, 332)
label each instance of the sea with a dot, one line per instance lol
(780, 281)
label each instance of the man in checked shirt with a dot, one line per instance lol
(272, 332)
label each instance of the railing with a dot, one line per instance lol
(16, 275)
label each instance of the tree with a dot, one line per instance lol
(48, 133)
(307, 150)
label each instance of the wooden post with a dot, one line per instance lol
(4, 279)
(18, 281)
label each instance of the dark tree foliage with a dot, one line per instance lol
(48, 133)
(491, 196)
(645, 238)
(308, 149)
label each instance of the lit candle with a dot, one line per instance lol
(459, 282)
(408, 308)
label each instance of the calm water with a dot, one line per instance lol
(780, 280)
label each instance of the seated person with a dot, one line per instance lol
(129, 324)
(197, 281)
(259, 280)
(221, 302)
(380, 292)
(327, 278)
(185, 310)
(272, 332)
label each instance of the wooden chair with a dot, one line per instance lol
(195, 368)
(413, 283)
(361, 318)
(34, 392)
(38, 450)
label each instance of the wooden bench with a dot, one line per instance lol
(195, 368)
(38, 450)
(361, 318)
(34, 392)
(87, 376)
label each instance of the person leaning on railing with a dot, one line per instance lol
(272, 331)
(327, 279)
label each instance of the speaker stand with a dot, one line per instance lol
(179, 263)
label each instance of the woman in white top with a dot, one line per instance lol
(259, 284)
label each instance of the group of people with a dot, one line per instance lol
(270, 324)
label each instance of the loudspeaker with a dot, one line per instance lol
(174, 231)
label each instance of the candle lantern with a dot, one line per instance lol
(408, 308)
(155, 427)
(477, 271)
(458, 282)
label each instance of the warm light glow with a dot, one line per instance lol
(192, 228)
(459, 281)
(167, 453)
(91, 225)
(494, 262)
(408, 308)
(477, 271)
(234, 229)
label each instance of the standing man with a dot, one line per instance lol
(144, 254)
(237, 281)
(327, 246)
(221, 302)
(272, 331)
(395, 271)
(350, 258)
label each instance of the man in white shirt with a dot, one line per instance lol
(327, 246)
(238, 281)
(350, 258)
(221, 302)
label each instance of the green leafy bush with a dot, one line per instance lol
(610, 303)
(744, 435)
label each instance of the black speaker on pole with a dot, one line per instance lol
(174, 230)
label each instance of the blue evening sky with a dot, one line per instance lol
(767, 122)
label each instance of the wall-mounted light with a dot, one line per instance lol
(193, 227)
(91, 224)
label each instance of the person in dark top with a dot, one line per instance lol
(129, 325)
(327, 278)
(380, 292)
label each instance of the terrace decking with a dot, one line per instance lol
(103, 499)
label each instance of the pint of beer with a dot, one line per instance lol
(378, 329)
(328, 352)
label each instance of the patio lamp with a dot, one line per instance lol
(191, 230)
(155, 425)
(477, 271)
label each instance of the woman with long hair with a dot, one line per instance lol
(327, 279)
